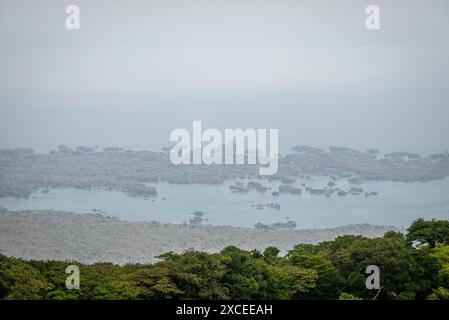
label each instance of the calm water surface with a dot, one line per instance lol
(397, 204)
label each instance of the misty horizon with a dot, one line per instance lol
(137, 70)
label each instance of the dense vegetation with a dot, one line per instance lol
(414, 266)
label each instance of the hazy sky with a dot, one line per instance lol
(138, 69)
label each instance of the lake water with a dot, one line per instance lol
(397, 204)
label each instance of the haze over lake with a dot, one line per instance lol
(311, 69)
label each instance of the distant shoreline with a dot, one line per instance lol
(87, 238)
(22, 171)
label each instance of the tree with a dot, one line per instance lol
(155, 283)
(196, 274)
(441, 254)
(403, 269)
(348, 296)
(20, 281)
(429, 232)
(439, 294)
(271, 255)
(328, 282)
(302, 280)
(248, 277)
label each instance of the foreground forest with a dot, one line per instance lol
(412, 266)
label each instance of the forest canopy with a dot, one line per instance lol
(412, 266)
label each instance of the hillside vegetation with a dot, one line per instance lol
(412, 266)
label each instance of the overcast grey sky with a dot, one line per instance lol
(138, 69)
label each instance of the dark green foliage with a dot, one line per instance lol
(404, 270)
(429, 232)
(328, 270)
(20, 281)
(329, 280)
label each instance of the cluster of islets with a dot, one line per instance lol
(328, 191)
(276, 226)
(240, 187)
(287, 187)
(198, 218)
(261, 206)
(24, 172)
